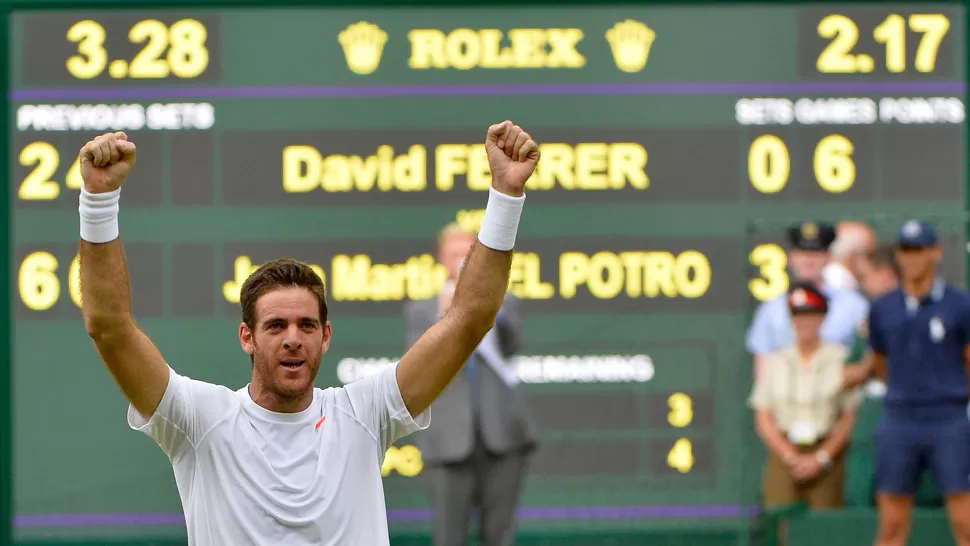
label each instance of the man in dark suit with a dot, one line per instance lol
(482, 434)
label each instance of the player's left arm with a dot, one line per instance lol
(434, 360)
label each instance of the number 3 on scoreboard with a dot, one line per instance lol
(771, 262)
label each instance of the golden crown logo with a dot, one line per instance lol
(363, 44)
(630, 42)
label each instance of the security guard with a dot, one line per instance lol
(802, 414)
(771, 327)
(919, 335)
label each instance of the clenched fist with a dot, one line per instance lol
(106, 162)
(512, 156)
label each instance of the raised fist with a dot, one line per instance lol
(106, 162)
(512, 156)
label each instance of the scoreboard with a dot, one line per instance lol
(348, 137)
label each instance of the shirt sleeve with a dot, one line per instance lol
(848, 311)
(758, 339)
(376, 402)
(760, 395)
(877, 341)
(189, 409)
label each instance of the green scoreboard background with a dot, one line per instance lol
(349, 137)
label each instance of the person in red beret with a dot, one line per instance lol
(801, 411)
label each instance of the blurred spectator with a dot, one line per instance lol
(482, 435)
(771, 327)
(919, 335)
(879, 272)
(853, 241)
(878, 275)
(801, 412)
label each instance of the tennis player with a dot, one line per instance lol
(279, 461)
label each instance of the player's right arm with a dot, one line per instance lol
(133, 360)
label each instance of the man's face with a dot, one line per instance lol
(807, 265)
(452, 250)
(287, 342)
(876, 280)
(918, 263)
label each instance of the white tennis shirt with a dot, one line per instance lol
(247, 475)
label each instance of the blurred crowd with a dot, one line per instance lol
(802, 412)
(860, 391)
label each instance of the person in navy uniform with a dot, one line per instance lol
(919, 339)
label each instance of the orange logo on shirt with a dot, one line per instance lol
(320, 422)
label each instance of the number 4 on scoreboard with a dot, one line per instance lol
(681, 456)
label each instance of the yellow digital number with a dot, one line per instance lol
(768, 164)
(42, 159)
(934, 27)
(833, 165)
(892, 32)
(187, 56)
(148, 62)
(681, 456)
(74, 280)
(771, 260)
(681, 410)
(74, 180)
(92, 57)
(185, 41)
(406, 460)
(37, 282)
(837, 57)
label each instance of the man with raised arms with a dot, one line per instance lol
(280, 461)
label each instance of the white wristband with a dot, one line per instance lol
(99, 216)
(501, 220)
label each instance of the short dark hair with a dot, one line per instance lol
(284, 273)
(884, 256)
